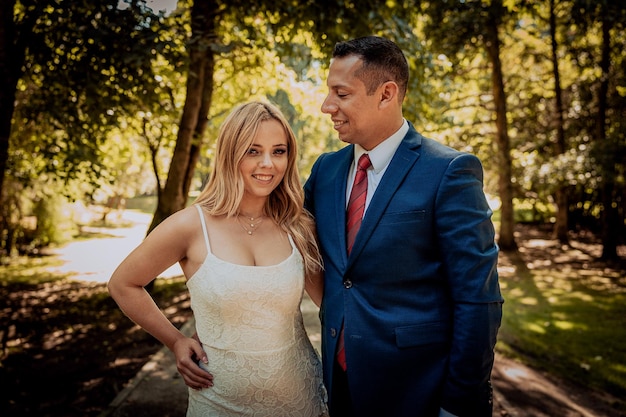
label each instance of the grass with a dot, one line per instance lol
(564, 314)
(29, 271)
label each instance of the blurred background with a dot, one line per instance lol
(109, 111)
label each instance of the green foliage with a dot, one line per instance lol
(533, 211)
(102, 94)
(53, 223)
(36, 216)
(459, 28)
(456, 30)
(92, 61)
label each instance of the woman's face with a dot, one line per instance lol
(264, 165)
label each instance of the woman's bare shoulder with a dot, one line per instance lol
(181, 222)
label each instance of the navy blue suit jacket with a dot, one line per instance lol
(419, 293)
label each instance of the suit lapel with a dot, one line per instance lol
(341, 179)
(403, 160)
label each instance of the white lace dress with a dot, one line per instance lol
(250, 324)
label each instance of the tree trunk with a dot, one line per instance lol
(562, 200)
(11, 58)
(610, 218)
(207, 93)
(506, 239)
(196, 108)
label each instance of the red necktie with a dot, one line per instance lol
(356, 208)
(356, 204)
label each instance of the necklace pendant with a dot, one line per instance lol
(249, 224)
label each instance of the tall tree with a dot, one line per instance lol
(610, 17)
(611, 222)
(202, 48)
(464, 26)
(11, 59)
(561, 225)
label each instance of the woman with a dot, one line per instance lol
(248, 251)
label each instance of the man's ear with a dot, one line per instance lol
(388, 93)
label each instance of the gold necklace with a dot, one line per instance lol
(249, 224)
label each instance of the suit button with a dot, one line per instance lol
(347, 283)
(333, 332)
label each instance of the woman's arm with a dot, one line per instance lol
(165, 245)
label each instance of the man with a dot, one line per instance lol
(412, 303)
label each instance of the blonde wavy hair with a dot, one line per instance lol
(224, 191)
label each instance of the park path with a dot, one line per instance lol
(94, 260)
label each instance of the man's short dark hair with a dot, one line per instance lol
(383, 61)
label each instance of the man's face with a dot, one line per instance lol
(354, 113)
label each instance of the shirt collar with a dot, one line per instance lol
(381, 155)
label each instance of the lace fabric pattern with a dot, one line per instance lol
(249, 321)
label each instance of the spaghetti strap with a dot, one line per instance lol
(204, 231)
(293, 244)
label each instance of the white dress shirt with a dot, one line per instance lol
(380, 157)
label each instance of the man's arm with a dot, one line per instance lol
(467, 244)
